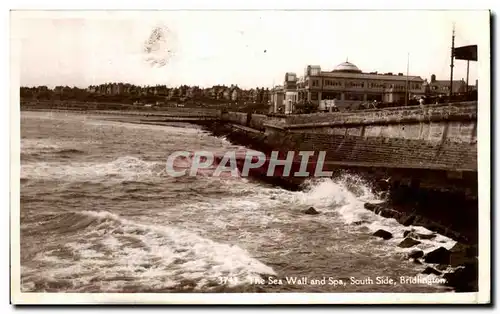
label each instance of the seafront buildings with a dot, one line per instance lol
(346, 86)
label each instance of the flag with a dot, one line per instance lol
(466, 53)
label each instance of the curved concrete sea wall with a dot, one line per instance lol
(433, 141)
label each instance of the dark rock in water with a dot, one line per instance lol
(386, 235)
(430, 270)
(442, 267)
(311, 211)
(417, 261)
(438, 256)
(384, 211)
(417, 235)
(408, 242)
(464, 279)
(391, 213)
(370, 206)
(387, 212)
(416, 254)
(424, 236)
(407, 220)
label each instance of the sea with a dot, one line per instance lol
(99, 213)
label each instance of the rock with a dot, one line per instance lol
(430, 270)
(416, 254)
(424, 236)
(382, 210)
(418, 235)
(438, 256)
(407, 220)
(370, 206)
(386, 235)
(408, 242)
(442, 267)
(417, 261)
(464, 279)
(389, 213)
(311, 211)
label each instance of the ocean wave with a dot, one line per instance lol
(122, 169)
(39, 147)
(348, 194)
(105, 249)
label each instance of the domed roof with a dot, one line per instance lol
(346, 67)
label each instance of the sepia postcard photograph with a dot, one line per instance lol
(250, 157)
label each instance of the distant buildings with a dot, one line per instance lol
(277, 95)
(291, 93)
(348, 86)
(442, 87)
(253, 99)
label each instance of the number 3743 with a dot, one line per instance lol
(227, 280)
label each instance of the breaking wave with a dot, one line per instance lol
(121, 169)
(116, 254)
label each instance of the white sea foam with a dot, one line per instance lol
(120, 169)
(47, 145)
(170, 129)
(337, 196)
(39, 145)
(158, 257)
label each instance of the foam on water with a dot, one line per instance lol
(170, 129)
(45, 145)
(115, 251)
(121, 169)
(349, 204)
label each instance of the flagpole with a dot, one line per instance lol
(452, 57)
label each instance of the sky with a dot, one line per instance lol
(246, 48)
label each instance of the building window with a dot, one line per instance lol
(354, 96)
(354, 85)
(314, 96)
(330, 95)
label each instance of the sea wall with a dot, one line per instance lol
(433, 146)
(433, 137)
(255, 121)
(425, 158)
